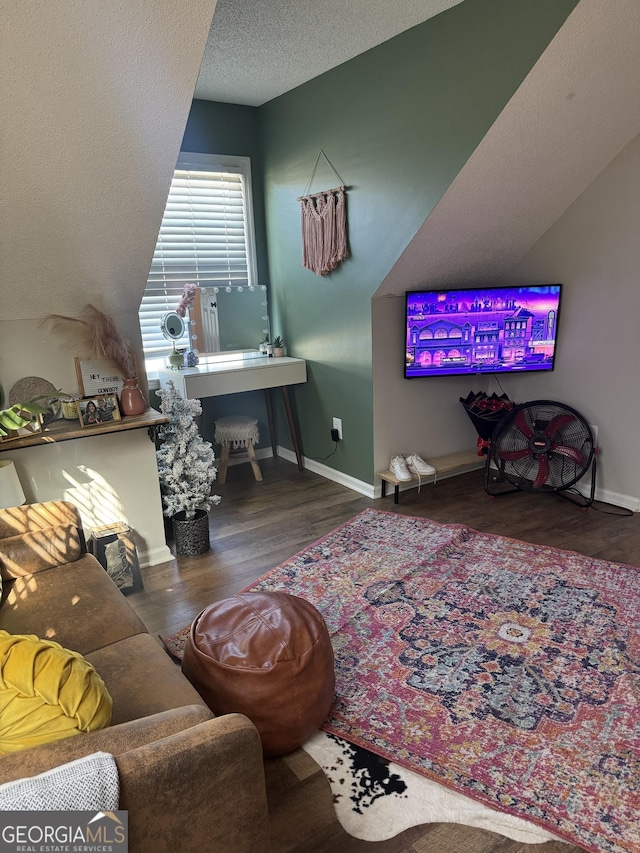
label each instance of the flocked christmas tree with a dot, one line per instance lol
(185, 459)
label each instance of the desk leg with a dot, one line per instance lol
(271, 421)
(292, 426)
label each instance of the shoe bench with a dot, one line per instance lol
(465, 460)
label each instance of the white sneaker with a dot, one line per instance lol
(398, 468)
(418, 466)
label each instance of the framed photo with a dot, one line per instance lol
(103, 409)
(97, 376)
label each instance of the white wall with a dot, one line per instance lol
(95, 473)
(575, 112)
(594, 250)
(421, 415)
(94, 101)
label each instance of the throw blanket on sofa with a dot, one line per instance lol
(87, 784)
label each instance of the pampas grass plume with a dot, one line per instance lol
(92, 335)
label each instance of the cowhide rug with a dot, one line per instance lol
(376, 799)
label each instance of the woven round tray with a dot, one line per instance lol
(33, 386)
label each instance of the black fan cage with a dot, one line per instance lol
(542, 446)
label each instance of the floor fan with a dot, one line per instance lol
(542, 446)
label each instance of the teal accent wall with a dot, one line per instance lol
(233, 129)
(397, 123)
(215, 128)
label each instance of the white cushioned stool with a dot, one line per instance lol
(237, 431)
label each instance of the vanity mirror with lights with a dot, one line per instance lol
(219, 320)
(228, 318)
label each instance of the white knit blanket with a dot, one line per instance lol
(87, 784)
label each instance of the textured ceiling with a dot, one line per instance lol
(257, 51)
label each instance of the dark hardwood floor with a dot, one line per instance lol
(258, 525)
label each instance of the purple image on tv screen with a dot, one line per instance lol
(481, 330)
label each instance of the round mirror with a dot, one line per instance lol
(172, 326)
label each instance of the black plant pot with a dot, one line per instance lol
(191, 535)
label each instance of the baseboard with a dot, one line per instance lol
(373, 492)
(155, 556)
(613, 498)
(604, 495)
(328, 473)
(360, 486)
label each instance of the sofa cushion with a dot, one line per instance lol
(76, 604)
(38, 516)
(142, 678)
(40, 549)
(46, 693)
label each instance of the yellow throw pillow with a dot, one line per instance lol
(46, 693)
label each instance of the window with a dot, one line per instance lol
(206, 237)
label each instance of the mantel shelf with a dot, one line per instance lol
(62, 430)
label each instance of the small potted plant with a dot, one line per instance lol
(278, 347)
(23, 418)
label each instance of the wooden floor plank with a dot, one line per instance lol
(258, 525)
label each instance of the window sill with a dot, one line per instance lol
(152, 366)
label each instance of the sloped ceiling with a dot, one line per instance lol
(257, 51)
(94, 102)
(576, 110)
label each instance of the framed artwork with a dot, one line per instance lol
(97, 375)
(98, 410)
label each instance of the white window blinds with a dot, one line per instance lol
(205, 238)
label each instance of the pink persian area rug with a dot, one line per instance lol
(375, 799)
(506, 671)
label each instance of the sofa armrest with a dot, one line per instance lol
(190, 781)
(114, 739)
(39, 536)
(199, 789)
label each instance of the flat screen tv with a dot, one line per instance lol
(470, 331)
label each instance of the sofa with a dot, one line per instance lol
(189, 781)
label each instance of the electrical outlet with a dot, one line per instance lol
(337, 425)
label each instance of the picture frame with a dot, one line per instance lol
(99, 410)
(97, 376)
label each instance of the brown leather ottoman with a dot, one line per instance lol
(266, 655)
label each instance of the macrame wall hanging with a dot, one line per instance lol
(324, 225)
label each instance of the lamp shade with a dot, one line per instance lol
(11, 493)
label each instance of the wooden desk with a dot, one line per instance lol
(233, 373)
